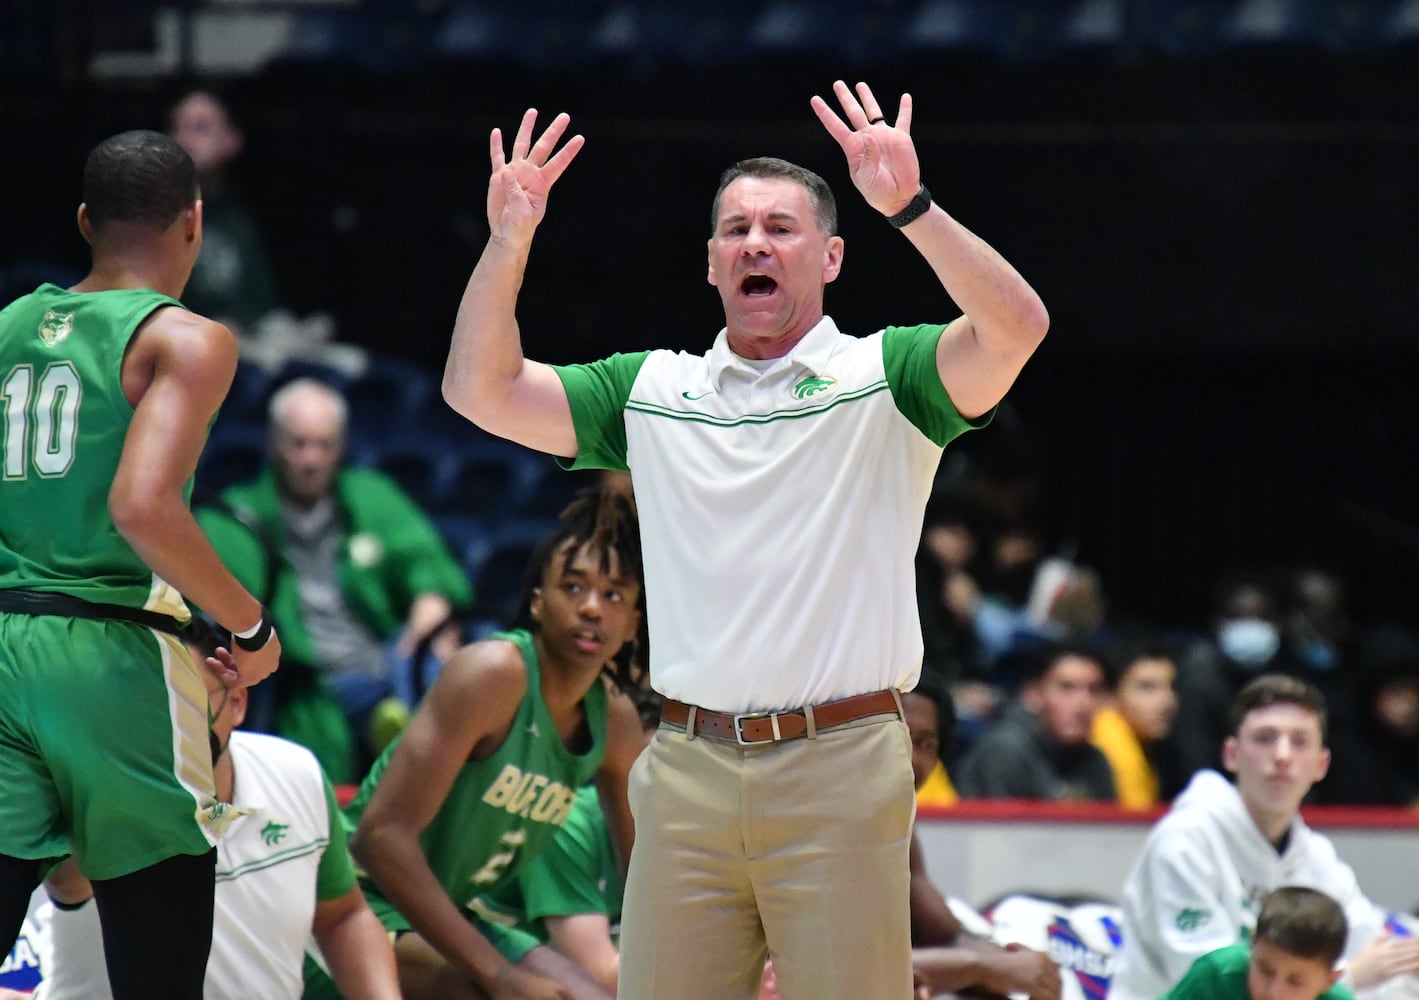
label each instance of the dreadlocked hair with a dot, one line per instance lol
(603, 522)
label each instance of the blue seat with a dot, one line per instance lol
(234, 454)
(419, 471)
(467, 538)
(499, 576)
(246, 399)
(388, 396)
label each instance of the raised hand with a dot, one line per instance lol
(881, 157)
(517, 190)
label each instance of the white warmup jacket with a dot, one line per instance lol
(1200, 882)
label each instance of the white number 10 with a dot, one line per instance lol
(41, 423)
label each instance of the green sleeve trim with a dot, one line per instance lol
(909, 357)
(598, 393)
(336, 875)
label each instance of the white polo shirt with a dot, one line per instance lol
(274, 863)
(780, 506)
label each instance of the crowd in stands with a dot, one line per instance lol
(1055, 698)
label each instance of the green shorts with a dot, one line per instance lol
(103, 745)
(511, 943)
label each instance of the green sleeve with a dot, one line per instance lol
(336, 875)
(420, 562)
(239, 548)
(909, 357)
(598, 393)
(567, 877)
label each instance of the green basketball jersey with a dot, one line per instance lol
(64, 418)
(502, 811)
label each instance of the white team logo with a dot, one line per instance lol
(55, 327)
(365, 550)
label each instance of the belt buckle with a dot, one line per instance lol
(751, 716)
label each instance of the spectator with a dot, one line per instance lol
(1208, 863)
(1300, 934)
(1040, 749)
(232, 280)
(947, 592)
(284, 876)
(1245, 642)
(1376, 762)
(1130, 727)
(356, 577)
(1318, 638)
(931, 721)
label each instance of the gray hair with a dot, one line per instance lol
(285, 397)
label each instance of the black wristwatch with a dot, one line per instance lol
(915, 209)
(258, 639)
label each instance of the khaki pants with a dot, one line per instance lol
(797, 850)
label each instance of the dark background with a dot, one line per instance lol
(1220, 219)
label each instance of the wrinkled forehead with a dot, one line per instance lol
(748, 197)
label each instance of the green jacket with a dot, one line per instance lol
(390, 554)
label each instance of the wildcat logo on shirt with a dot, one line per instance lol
(273, 833)
(55, 327)
(811, 385)
(1190, 919)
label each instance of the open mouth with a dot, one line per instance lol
(757, 285)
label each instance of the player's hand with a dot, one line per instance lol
(1024, 970)
(249, 668)
(518, 984)
(881, 156)
(1384, 958)
(517, 191)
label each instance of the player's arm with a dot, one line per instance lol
(985, 968)
(933, 923)
(176, 373)
(585, 938)
(625, 739)
(474, 697)
(486, 378)
(356, 947)
(948, 959)
(980, 353)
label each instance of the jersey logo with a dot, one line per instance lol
(699, 396)
(1189, 919)
(55, 327)
(811, 385)
(273, 833)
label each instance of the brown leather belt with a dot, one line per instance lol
(770, 727)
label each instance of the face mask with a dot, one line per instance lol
(1318, 655)
(1248, 642)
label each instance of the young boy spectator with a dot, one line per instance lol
(1041, 748)
(1130, 727)
(1209, 862)
(1300, 934)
